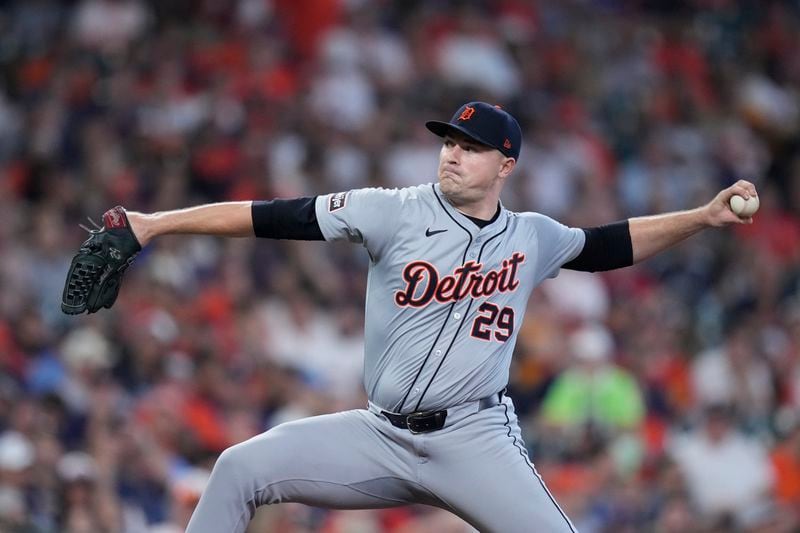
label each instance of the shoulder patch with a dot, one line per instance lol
(337, 201)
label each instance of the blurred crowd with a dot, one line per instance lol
(663, 397)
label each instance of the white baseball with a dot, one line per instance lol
(744, 208)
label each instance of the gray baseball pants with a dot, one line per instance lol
(475, 466)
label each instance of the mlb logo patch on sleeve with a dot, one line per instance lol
(337, 201)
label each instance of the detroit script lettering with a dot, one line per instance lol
(423, 283)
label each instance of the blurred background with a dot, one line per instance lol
(662, 397)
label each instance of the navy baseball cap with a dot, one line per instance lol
(488, 124)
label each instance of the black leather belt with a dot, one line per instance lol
(425, 421)
(420, 422)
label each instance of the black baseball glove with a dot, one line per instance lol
(95, 274)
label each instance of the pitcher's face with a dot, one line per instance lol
(469, 170)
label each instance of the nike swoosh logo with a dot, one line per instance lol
(429, 233)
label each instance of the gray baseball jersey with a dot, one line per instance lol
(444, 303)
(444, 297)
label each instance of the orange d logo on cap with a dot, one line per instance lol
(467, 113)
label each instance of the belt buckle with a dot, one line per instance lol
(430, 420)
(409, 418)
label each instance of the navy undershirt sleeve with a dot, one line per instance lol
(606, 248)
(286, 219)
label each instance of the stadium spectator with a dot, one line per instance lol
(727, 474)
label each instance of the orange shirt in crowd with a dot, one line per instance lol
(786, 461)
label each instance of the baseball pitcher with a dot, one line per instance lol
(450, 274)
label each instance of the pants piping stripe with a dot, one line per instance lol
(533, 469)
